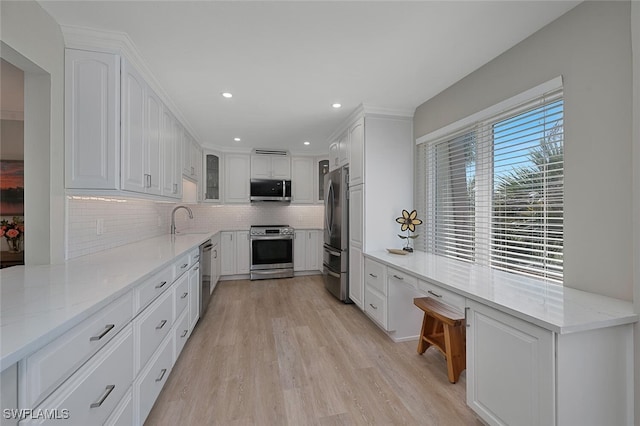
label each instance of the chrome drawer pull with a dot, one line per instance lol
(400, 278)
(184, 295)
(196, 268)
(105, 395)
(162, 373)
(374, 275)
(184, 333)
(184, 266)
(107, 329)
(434, 294)
(466, 316)
(197, 256)
(373, 306)
(162, 323)
(162, 284)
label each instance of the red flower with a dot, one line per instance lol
(12, 233)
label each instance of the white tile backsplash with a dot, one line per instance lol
(127, 220)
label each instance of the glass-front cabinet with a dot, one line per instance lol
(323, 169)
(212, 173)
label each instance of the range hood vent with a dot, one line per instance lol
(269, 152)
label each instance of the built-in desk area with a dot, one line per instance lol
(537, 353)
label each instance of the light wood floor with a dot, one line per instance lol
(285, 352)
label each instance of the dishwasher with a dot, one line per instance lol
(205, 275)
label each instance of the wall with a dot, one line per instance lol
(127, 220)
(33, 42)
(590, 47)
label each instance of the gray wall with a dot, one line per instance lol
(590, 47)
(33, 42)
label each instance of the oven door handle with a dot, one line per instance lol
(334, 253)
(275, 237)
(333, 274)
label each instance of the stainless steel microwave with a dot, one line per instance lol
(270, 190)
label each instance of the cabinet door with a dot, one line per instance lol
(236, 178)
(280, 167)
(196, 161)
(133, 129)
(334, 156)
(302, 180)
(92, 120)
(186, 151)
(227, 253)
(343, 149)
(215, 266)
(300, 250)
(153, 158)
(510, 368)
(356, 283)
(211, 178)
(194, 295)
(312, 251)
(242, 252)
(260, 167)
(356, 216)
(356, 147)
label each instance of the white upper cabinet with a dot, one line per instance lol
(133, 129)
(339, 151)
(171, 154)
(92, 120)
(153, 144)
(302, 180)
(356, 146)
(236, 178)
(267, 166)
(211, 176)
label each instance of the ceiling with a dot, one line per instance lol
(287, 62)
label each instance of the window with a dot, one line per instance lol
(492, 191)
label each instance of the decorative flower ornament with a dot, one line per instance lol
(408, 222)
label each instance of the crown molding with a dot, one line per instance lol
(120, 43)
(364, 110)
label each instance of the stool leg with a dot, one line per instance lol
(456, 351)
(423, 345)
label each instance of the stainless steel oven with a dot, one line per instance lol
(271, 251)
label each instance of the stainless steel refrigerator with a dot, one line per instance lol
(336, 234)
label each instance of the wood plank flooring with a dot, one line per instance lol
(285, 352)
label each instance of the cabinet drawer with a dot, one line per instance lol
(375, 305)
(181, 333)
(123, 414)
(148, 385)
(181, 265)
(194, 256)
(181, 294)
(91, 394)
(374, 275)
(146, 292)
(51, 365)
(443, 295)
(394, 274)
(151, 327)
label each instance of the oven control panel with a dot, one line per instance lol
(272, 230)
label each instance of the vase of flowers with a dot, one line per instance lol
(13, 232)
(408, 222)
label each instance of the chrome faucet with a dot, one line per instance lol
(173, 217)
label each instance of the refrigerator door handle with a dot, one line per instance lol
(333, 274)
(332, 252)
(329, 207)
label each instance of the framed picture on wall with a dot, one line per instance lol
(11, 188)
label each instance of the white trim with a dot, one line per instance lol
(512, 102)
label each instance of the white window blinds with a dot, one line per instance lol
(492, 192)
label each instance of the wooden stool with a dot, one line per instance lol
(444, 328)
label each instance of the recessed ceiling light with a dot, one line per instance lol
(336, 105)
(236, 139)
(227, 95)
(307, 143)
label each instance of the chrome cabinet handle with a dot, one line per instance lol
(197, 256)
(215, 254)
(162, 373)
(162, 284)
(434, 294)
(175, 188)
(373, 275)
(162, 323)
(184, 333)
(373, 306)
(105, 395)
(466, 316)
(184, 295)
(196, 268)
(184, 266)
(107, 329)
(397, 277)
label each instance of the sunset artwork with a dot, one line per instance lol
(11, 188)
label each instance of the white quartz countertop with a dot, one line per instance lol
(550, 306)
(39, 303)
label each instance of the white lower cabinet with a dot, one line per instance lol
(305, 250)
(152, 326)
(194, 296)
(92, 393)
(510, 369)
(181, 333)
(356, 282)
(123, 413)
(234, 252)
(149, 383)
